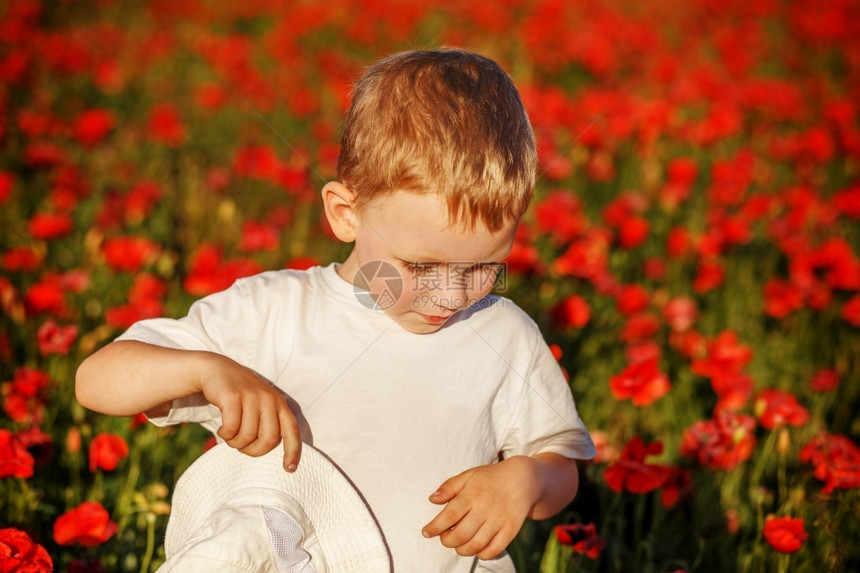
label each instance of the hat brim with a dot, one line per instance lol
(346, 535)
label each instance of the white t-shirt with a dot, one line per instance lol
(398, 412)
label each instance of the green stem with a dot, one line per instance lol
(783, 487)
(639, 516)
(783, 562)
(150, 543)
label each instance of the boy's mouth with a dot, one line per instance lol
(434, 319)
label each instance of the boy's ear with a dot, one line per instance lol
(338, 204)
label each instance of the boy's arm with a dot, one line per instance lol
(486, 506)
(128, 377)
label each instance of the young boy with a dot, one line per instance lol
(397, 363)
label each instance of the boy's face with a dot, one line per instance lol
(442, 267)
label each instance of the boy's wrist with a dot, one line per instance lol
(202, 366)
(532, 478)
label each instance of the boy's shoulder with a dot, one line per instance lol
(281, 278)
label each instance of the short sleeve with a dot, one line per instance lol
(544, 417)
(217, 323)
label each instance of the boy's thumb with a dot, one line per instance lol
(450, 488)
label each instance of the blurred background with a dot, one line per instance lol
(691, 254)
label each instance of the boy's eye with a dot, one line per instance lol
(421, 268)
(487, 269)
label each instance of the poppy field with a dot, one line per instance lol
(692, 254)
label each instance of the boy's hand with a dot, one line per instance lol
(485, 506)
(254, 414)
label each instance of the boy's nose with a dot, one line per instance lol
(454, 295)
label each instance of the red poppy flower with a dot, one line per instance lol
(210, 96)
(826, 380)
(785, 534)
(146, 287)
(678, 243)
(258, 237)
(709, 275)
(209, 274)
(20, 554)
(523, 259)
(91, 127)
(15, 460)
(582, 537)
(633, 232)
(835, 459)
(643, 351)
(775, 408)
(691, 344)
(781, 298)
(7, 182)
(728, 230)
(570, 312)
(631, 473)
(123, 316)
(642, 382)
(129, 253)
(48, 226)
(721, 442)
(586, 257)
(607, 452)
(850, 312)
(26, 259)
(733, 390)
(34, 438)
(561, 216)
(43, 154)
(676, 487)
(29, 382)
(841, 267)
(259, 162)
(140, 200)
(88, 524)
(75, 280)
(731, 178)
(654, 268)
(640, 327)
(302, 263)
(23, 399)
(846, 202)
(165, 125)
(725, 355)
(600, 166)
(63, 199)
(623, 207)
(55, 339)
(681, 314)
(632, 299)
(682, 171)
(106, 451)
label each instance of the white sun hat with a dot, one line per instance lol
(235, 513)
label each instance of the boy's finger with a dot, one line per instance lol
(249, 428)
(231, 421)
(450, 488)
(444, 521)
(292, 440)
(267, 435)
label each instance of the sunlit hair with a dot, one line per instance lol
(443, 121)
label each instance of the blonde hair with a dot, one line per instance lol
(446, 121)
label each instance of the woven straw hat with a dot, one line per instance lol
(232, 512)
